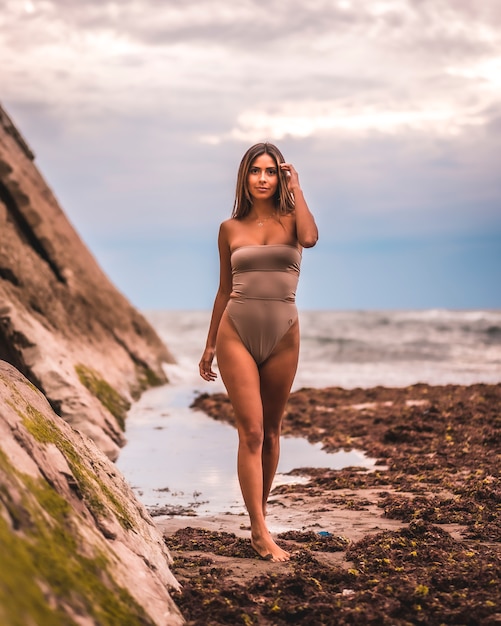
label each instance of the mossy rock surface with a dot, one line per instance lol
(109, 397)
(100, 500)
(43, 558)
(76, 546)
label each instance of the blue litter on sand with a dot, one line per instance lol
(324, 533)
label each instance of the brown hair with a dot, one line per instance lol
(284, 200)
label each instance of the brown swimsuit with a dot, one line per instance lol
(262, 304)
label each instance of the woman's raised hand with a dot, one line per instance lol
(292, 176)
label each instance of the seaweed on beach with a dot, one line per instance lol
(482, 521)
(431, 574)
(439, 440)
(442, 444)
(420, 429)
(323, 542)
(439, 452)
(417, 575)
(219, 543)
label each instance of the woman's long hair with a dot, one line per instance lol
(284, 200)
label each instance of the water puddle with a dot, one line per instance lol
(177, 458)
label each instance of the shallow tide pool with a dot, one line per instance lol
(178, 457)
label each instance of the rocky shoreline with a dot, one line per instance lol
(415, 541)
(63, 324)
(76, 546)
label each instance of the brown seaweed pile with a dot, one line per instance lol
(440, 440)
(418, 575)
(441, 450)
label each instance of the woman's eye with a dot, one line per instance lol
(271, 171)
(254, 170)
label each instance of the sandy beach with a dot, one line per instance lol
(302, 512)
(415, 540)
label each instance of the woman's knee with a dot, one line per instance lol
(251, 438)
(271, 439)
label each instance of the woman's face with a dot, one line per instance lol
(262, 179)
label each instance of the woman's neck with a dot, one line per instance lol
(263, 208)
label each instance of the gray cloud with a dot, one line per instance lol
(465, 26)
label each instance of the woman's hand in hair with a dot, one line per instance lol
(292, 176)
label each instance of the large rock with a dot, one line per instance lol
(75, 545)
(62, 323)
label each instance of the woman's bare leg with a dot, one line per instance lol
(276, 378)
(241, 378)
(258, 397)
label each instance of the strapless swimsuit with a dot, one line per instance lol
(262, 305)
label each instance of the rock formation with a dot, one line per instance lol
(75, 545)
(62, 323)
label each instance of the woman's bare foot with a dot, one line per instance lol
(267, 549)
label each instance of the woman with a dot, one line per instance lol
(254, 328)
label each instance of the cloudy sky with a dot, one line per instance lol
(140, 110)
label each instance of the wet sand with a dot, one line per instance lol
(417, 540)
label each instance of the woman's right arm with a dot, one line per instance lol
(220, 302)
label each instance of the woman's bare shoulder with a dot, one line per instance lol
(226, 223)
(226, 230)
(229, 226)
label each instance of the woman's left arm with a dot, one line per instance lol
(306, 229)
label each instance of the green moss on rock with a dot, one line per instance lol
(95, 493)
(21, 599)
(146, 378)
(116, 404)
(43, 577)
(149, 378)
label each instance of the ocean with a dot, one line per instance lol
(178, 459)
